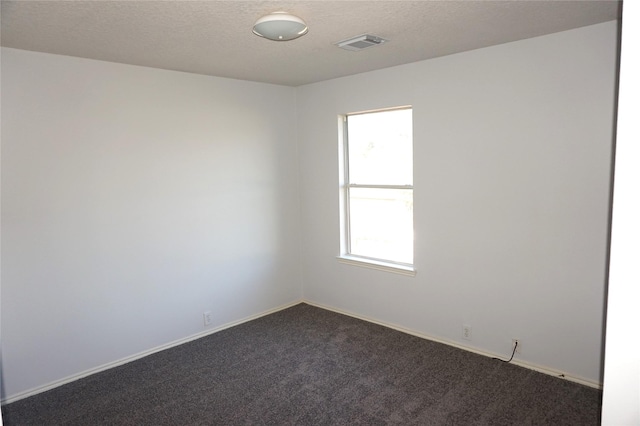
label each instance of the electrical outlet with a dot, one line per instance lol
(466, 332)
(518, 348)
(207, 318)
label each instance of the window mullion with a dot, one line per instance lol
(376, 186)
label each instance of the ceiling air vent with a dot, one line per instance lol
(361, 42)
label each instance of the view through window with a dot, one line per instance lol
(378, 185)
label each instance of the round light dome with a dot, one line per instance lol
(280, 26)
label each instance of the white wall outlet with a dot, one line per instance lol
(466, 332)
(207, 318)
(518, 348)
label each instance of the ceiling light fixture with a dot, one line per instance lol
(280, 26)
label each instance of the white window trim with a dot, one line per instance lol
(346, 257)
(380, 265)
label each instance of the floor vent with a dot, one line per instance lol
(361, 42)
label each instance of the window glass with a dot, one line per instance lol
(382, 223)
(381, 148)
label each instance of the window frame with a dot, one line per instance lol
(346, 255)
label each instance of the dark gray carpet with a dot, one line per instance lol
(309, 366)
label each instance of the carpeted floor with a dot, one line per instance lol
(309, 366)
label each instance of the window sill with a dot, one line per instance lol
(378, 265)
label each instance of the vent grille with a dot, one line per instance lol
(361, 42)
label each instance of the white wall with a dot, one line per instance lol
(1, 380)
(134, 200)
(512, 149)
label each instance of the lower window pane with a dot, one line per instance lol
(381, 223)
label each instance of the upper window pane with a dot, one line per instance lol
(381, 148)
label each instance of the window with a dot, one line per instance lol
(377, 188)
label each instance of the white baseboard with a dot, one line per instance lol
(125, 360)
(538, 368)
(122, 361)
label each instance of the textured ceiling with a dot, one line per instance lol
(215, 38)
